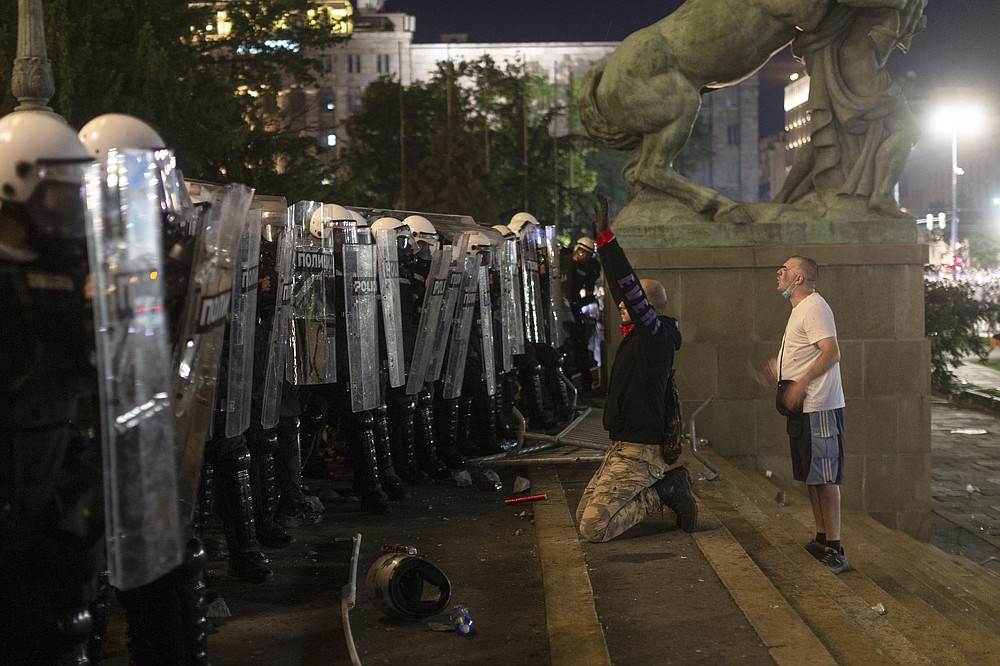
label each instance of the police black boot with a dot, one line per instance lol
(313, 424)
(401, 438)
(391, 483)
(293, 508)
(505, 411)
(153, 621)
(206, 522)
(560, 394)
(73, 636)
(446, 416)
(489, 416)
(540, 416)
(263, 444)
(464, 444)
(365, 461)
(425, 444)
(234, 500)
(676, 492)
(99, 618)
(194, 607)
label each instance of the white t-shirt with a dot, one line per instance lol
(811, 321)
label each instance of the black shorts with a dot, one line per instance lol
(816, 443)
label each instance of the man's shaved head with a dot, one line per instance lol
(656, 294)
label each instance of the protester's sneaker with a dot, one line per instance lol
(835, 561)
(816, 549)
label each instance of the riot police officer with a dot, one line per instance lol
(50, 483)
(581, 272)
(166, 617)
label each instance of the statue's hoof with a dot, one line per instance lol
(733, 214)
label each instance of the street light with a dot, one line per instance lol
(953, 118)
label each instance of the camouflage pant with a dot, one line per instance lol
(620, 494)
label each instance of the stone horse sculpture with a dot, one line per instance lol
(646, 96)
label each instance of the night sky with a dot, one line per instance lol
(959, 47)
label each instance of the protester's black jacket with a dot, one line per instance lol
(635, 410)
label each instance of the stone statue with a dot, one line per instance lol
(646, 96)
(861, 128)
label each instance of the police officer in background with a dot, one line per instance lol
(50, 483)
(581, 272)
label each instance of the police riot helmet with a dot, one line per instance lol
(122, 131)
(359, 218)
(422, 232)
(504, 231)
(329, 217)
(42, 165)
(479, 242)
(118, 130)
(585, 243)
(273, 216)
(519, 220)
(389, 223)
(34, 145)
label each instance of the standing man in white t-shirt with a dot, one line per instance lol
(810, 357)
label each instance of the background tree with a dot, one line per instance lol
(209, 94)
(479, 140)
(951, 320)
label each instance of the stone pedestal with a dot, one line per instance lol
(721, 280)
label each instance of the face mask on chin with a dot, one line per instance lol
(787, 293)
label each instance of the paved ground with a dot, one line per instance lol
(965, 473)
(513, 564)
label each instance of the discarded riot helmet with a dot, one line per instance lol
(407, 586)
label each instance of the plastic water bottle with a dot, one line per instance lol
(462, 621)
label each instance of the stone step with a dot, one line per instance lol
(955, 586)
(932, 617)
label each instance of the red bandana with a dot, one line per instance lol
(625, 329)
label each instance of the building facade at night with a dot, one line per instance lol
(381, 43)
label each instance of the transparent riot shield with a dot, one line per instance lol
(217, 229)
(280, 321)
(360, 302)
(531, 291)
(445, 325)
(242, 320)
(556, 309)
(392, 322)
(465, 308)
(486, 331)
(140, 470)
(313, 310)
(512, 314)
(430, 314)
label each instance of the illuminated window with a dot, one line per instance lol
(331, 140)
